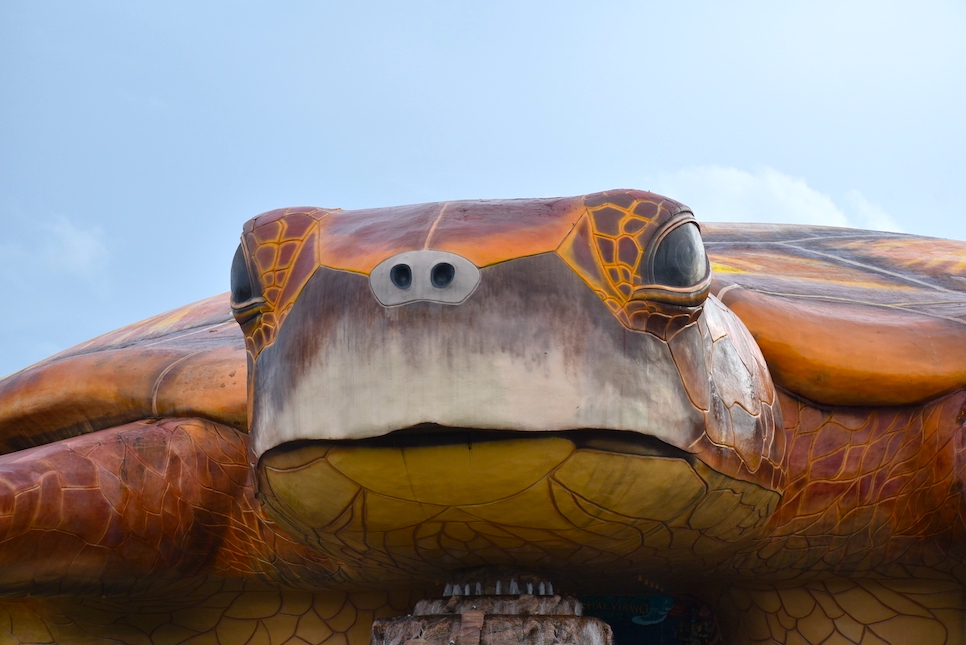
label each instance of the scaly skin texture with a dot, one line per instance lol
(114, 510)
(872, 491)
(867, 545)
(843, 611)
(287, 255)
(163, 513)
(606, 249)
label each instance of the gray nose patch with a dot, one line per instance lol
(434, 276)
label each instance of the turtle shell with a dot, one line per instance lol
(843, 317)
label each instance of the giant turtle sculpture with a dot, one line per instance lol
(566, 389)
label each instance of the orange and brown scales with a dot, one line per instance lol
(112, 509)
(868, 489)
(603, 237)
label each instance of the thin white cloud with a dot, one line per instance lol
(80, 252)
(723, 194)
(59, 274)
(870, 215)
(56, 257)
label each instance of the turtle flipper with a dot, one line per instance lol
(121, 509)
(847, 317)
(189, 362)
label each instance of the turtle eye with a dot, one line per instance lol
(241, 279)
(246, 300)
(680, 260)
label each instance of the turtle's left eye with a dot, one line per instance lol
(246, 293)
(680, 260)
(241, 279)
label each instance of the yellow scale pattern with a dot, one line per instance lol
(208, 612)
(844, 612)
(546, 504)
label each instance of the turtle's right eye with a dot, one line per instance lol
(680, 260)
(245, 292)
(676, 270)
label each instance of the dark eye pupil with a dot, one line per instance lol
(241, 281)
(442, 274)
(401, 276)
(680, 260)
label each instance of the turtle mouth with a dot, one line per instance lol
(427, 435)
(427, 499)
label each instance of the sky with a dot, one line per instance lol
(137, 137)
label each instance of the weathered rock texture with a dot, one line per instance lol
(494, 620)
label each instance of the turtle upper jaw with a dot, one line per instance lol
(532, 349)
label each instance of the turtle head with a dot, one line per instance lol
(527, 382)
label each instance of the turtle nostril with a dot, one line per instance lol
(401, 276)
(442, 275)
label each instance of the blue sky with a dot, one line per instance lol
(137, 137)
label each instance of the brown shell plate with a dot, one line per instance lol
(186, 362)
(844, 316)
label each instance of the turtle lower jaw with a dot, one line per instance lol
(423, 501)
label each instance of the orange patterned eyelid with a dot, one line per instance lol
(606, 249)
(283, 253)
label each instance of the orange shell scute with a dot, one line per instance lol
(847, 317)
(483, 231)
